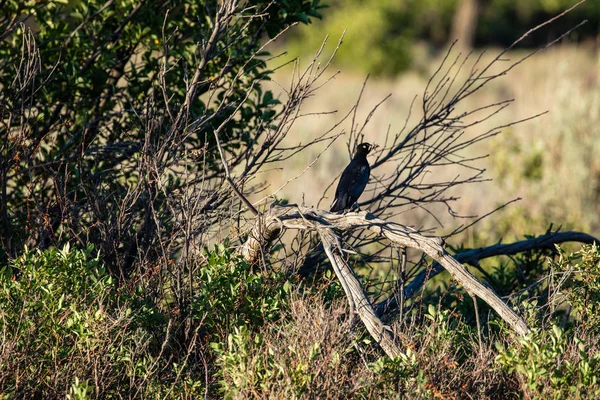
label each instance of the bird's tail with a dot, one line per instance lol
(338, 204)
(335, 207)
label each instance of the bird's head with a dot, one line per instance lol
(365, 148)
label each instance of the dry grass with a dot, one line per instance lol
(308, 357)
(549, 162)
(317, 355)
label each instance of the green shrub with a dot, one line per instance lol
(401, 372)
(307, 355)
(231, 294)
(556, 362)
(553, 363)
(68, 330)
(243, 363)
(99, 96)
(578, 279)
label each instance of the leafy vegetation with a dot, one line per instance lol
(66, 324)
(68, 329)
(103, 105)
(549, 365)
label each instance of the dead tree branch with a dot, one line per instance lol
(278, 217)
(472, 257)
(355, 292)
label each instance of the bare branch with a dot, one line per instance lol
(304, 218)
(356, 293)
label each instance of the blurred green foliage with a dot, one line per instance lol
(504, 21)
(380, 35)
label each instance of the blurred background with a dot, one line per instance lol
(551, 162)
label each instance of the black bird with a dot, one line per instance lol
(354, 179)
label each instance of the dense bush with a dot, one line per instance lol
(67, 329)
(226, 284)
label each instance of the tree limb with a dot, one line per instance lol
(270, 224)
(355, 292)
(473, 256)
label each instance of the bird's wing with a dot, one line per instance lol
(347, 178)
(352, 183)
(359, 181)
(340, 201)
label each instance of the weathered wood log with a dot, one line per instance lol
(270, 224)
(266, 229)
(355, 292)
(434, 249)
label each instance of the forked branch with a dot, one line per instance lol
(271, 223)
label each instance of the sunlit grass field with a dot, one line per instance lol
(551, 162)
